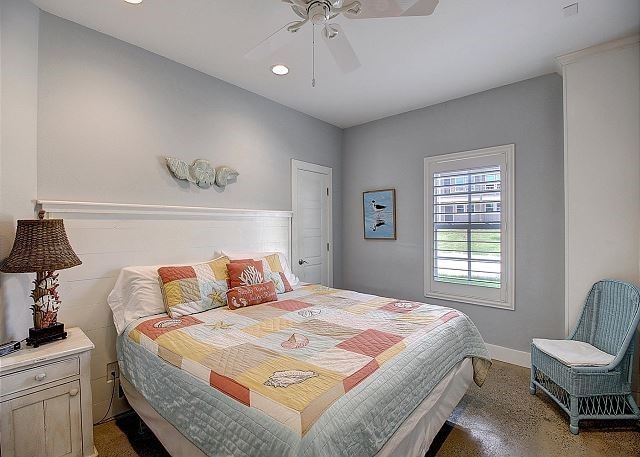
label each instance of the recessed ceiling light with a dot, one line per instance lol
(280, 69)
(134, 2)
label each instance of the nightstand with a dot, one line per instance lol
(45, 400)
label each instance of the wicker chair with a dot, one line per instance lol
(608, 322)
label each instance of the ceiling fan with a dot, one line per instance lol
(322, 13)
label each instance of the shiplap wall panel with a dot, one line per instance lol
(110, 237)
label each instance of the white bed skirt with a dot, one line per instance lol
(412, 439)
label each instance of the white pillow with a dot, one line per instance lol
(136, 294)
(238, 255)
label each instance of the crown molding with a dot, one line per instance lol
(572, 57)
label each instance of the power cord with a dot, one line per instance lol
(113, 391)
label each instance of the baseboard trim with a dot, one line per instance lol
(512, 356)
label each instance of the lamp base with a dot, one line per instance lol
(38, 336)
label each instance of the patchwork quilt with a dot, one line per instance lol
(292, 359)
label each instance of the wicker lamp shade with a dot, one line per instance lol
(40, 245)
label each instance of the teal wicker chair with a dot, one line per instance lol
(608, 322)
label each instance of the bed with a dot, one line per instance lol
(319, 372)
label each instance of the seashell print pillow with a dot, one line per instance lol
(278, 278)
(255, 294)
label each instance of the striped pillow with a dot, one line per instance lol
(276, 273)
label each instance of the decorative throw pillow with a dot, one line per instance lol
(242, 296)
(194, 288)
(281, 260)
(245, 273)
(277, 278)
(276, 266)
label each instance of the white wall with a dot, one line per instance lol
(18, 151)
(602, 168)
(602, 171)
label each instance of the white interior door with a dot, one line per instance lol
(312, 249)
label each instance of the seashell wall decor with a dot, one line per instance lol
(201, 173)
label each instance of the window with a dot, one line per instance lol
(469, 255)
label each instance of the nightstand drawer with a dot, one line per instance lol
(37, 376)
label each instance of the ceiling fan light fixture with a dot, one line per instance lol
(280, 69)
(133, 2)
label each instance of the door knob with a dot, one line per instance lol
(302, 262)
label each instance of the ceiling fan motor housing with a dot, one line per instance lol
(319, 11)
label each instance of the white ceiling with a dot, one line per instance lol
(465, 47)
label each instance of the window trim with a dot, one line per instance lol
(503, 155)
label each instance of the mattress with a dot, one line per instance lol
(412, 439)
(321, 372)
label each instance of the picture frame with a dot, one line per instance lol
(379, 214)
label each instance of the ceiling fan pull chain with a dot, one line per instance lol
(313, 52)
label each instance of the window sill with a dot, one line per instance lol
(471, 300)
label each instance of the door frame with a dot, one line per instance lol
(297, 165)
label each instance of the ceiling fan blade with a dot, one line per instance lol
(341, 49)
(271, 44)
(394, 8)
(422, 8)
(371, 9)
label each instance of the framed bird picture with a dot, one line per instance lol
(379, 213)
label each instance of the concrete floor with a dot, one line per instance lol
(501, 419)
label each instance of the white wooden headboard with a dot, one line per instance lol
(110, 236)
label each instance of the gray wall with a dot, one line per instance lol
(389, 154)
(18, 151)
(108, 111)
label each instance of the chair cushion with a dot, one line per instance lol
(574, 353)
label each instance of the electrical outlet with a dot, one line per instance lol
(113, 371)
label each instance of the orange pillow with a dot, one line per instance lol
(245, 273)
(278, 277)
(240, 297)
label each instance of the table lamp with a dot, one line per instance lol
(41, 247)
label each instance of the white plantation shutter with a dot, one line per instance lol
(469, 227)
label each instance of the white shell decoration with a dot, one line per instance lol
(224, 174)
(289, 377)
(179, 168)
(201, 173)
(295, 342)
